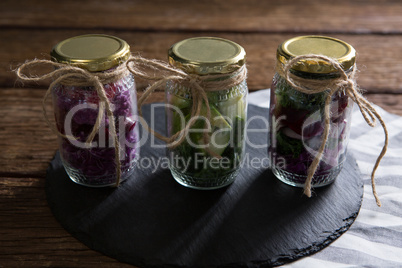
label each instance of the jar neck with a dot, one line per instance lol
(184, 91)
(313, 76)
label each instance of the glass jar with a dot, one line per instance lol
(297, 119)
(76, 108)
(194, 163)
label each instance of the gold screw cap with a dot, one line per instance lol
(207, 55)
(344, 53)
(94, 52)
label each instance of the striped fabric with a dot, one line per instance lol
(375, 238)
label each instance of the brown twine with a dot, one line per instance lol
(74, 76)
(343, 82)
(198, 84)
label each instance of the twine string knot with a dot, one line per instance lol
(343, 82)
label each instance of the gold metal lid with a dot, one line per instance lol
(344, 53)
(207, 55)
(94, 52)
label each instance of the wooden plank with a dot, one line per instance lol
(340, 16)
(26, 141)
(389, 102)
(379, 71)
(30, 236)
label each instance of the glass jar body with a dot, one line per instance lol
(76, 109)
(216, 164)
(297, 125)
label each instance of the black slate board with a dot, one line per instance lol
(151, 220)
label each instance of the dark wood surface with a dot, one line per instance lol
(29, 234)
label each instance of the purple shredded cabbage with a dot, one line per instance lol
(295, 134)
(97, 163)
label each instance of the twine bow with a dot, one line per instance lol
(198, 84)
(75, 76)
(343, 82)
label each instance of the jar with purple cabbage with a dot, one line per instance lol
(78, 108)
(297, 120)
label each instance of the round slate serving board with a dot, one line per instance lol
(151, 220)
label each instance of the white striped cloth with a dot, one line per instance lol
(375, 238)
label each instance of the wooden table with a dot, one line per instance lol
(29, 234)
